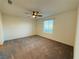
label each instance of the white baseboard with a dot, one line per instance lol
(18, 37)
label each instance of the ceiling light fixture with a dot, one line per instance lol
(35, 14)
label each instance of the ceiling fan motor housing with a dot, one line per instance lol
(35, 13)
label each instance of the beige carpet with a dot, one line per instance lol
(35, 47)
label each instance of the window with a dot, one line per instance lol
(48, 26)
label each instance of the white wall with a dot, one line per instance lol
(76, 50)
(1, 30)
(64, 28)
(17, 27)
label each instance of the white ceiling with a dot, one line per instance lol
(46, 7)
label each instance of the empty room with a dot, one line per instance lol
(39, 29)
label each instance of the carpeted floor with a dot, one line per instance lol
(35, 47)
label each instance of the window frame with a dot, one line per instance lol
(52, 27)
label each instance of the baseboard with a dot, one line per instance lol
(55, 41)
(18, 38)
(40, 36)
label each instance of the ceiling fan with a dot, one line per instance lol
(35, 14)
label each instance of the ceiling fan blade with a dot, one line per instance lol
(39, 15)
(27, 13)
(29, 10)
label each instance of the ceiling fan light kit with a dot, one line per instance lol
(33, 16)
(36, 14)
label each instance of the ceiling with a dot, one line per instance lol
(46, 7)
